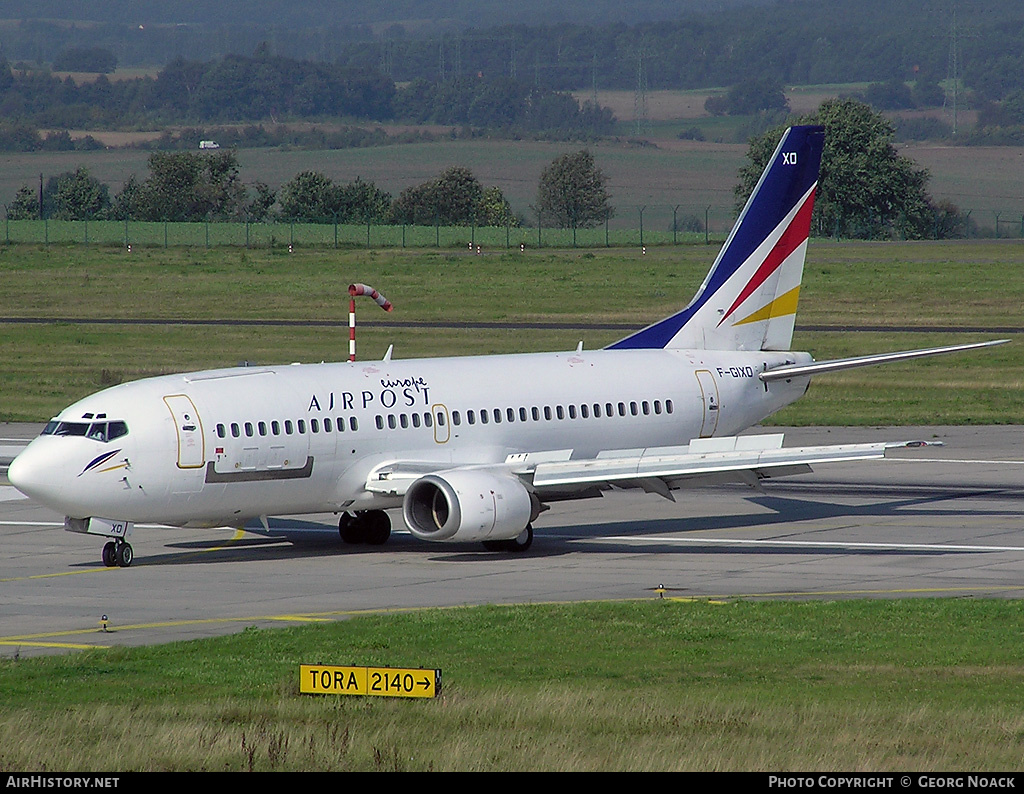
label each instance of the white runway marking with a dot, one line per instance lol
(809, 544)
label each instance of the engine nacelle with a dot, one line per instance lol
(468, 505)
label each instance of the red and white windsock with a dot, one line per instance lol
(361, 289)
(353, 291)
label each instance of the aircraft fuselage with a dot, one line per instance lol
(224, 446)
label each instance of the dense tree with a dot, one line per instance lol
(86, 59)
(890, 95)
(190, 186)
(76, 196)
(866, 188)
(494, 209)
(454, 198)
(363, 202)
(25, 205)
(572, 192)
(257, 208)
(309, 196)
(313, 197)
(749, 96)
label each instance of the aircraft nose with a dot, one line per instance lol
(31, 474)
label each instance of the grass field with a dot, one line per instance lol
(971, 284)
(923, 685)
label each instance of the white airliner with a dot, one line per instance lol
(474, 448)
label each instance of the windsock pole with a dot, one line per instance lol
(353, 291)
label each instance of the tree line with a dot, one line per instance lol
(866, 189)
(206, 186)
(795, 42)
(253, 88)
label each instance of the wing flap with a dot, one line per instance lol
(763, 456)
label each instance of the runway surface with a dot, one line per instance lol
(943, 522)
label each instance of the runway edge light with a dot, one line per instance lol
(320, 679)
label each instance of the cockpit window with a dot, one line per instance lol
(97, 431)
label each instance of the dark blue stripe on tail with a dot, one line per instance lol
(790, 173)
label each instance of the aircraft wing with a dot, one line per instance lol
(745, 459)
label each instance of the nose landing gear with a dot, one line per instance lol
(118, 553)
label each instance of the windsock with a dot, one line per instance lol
(362, 289)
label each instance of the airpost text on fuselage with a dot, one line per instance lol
(408, 392)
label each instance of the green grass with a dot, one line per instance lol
(928, 685)
(45, 367)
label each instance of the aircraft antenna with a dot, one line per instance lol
(355, 290)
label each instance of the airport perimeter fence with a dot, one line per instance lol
(273, 234)
(632, 227)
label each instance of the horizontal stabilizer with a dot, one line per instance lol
(817, 367)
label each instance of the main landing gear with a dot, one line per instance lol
(118, 553)
(372, 527)
(518, 544)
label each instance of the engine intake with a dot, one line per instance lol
(468, 505)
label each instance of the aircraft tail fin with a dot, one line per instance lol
(748, 299)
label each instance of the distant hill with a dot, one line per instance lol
(416, 15)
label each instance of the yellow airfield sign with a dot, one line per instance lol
(320, 679)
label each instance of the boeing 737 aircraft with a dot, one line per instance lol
(474, 448)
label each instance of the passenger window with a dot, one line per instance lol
(668, 406)
(275, 427)
(221, 431)
(483, 417)
(471, 417)
(572, 411)
(248, 429)
(314, 425)
(301, 424)
(456, 418)
(327, 425)
(657, 406)
(288, 427)
(497, 416)
(391, 421)
(510, 414)
(340, 424)
(235, 431)
(415, 420)
(353, 424)
(559, 412)
(262, 427)
(428, 420)
(380, 421)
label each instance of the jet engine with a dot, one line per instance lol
(468, 505)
